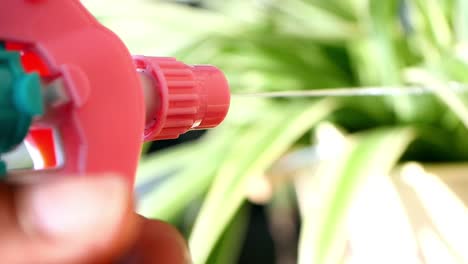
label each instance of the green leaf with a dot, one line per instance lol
(301, 18)
(253, 152)
(158, 28)
(197, 167)
(441, 87)
(151, 166)
(435, 22)
(228, 249)
(460, 20)
(372, 153)
(376, 57)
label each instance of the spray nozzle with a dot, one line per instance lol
(181, 97)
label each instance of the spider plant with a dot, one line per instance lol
(362, 171)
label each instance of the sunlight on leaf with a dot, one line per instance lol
(374, 153)
(460, 20)
(378, 225)
(445, 209)
(434, 250)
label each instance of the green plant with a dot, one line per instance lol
(298, 45)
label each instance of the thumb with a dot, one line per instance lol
(67, 220)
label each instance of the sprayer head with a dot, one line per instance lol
(181, 97)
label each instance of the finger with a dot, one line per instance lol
(158, 243)
(67, 220)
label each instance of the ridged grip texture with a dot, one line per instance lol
(189, 97)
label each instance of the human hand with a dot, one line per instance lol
(81, 220)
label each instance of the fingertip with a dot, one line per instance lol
(69, 207)
(78, 218)
(159, 242)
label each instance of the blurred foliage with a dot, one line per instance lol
(269, 45)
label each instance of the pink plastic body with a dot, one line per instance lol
(103, 124)
(101, 128)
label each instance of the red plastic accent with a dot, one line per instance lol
(190, 97)
(43, 140)
(29, 59)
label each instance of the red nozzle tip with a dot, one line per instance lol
(188, 97)
(214, 90)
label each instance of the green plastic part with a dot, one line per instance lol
(20, 100)
(2, 168)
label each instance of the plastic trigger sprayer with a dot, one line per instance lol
(71, 91)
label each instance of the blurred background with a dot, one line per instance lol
(368, 179)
